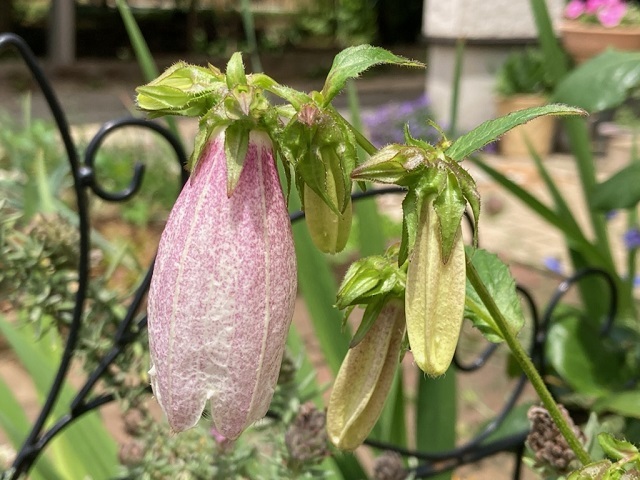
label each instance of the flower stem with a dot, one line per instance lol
(527, 365)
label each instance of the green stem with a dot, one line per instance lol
(527, 365)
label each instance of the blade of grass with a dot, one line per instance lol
(15, 425)
(372, 240)
(560, 203)
(436, 427)
(392, 423)
(541, 209)
(84, 448)
(143, 54)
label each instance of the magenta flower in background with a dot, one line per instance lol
(592, 6)
(611, 13)
(574, 9)
(222, 293)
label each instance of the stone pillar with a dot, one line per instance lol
(491, 28)
(61, 41)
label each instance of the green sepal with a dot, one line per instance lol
(369, 317)
(236, 144)
(360, 278)
(353, 61)
(372, 277)
(410, 215)
(470, 193)
(235, 71)
(616, 449)
(394, 164)
(294, 97)
(182, 89)
(449, 206)
(202, 136)
(430, 183)
(316, 141)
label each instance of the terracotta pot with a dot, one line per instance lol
(583, 41)
(539, 132)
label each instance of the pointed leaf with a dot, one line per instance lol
(368, 319)
(449, 206)
(491, 130)
(501, 286)
(621, 191)
(616, 449)
(601, 83)
(235, 71)
(353, 61)
(236, 143)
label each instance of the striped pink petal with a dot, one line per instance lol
(222, 293)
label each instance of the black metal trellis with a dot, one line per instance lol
(133, 321)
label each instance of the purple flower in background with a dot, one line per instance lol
(632, 238)
(553, 264)
(636, 281)
(574, 9)
(385, 124)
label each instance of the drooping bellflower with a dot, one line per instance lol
(223, 292)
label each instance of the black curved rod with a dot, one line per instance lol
(26, 456)
(136, 181)
(566, 285)
(559, 294)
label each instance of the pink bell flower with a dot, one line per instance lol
(222, 293)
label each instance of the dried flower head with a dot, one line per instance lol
(546, 441)
(389, 466)
(306, 437)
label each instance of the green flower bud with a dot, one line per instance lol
(435, 294)
(364, 379)
(329, 230)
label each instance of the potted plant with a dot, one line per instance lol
(521, 83)
(592, 26)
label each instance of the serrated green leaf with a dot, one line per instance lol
(491, 130)
(620, 191)
(353, 61)
(577, 352)
(601, 83)
(616, 449)
(236, 144)
(500, 284)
